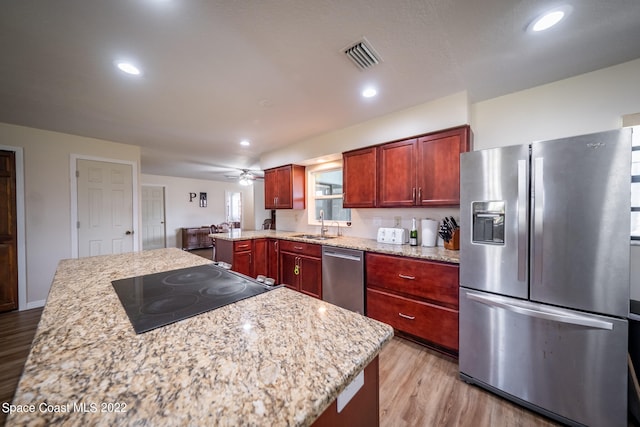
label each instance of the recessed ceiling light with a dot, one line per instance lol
(549, 19)
(369, 92)
(128, 68)
(245, 143)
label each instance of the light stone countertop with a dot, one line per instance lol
(363, 244)
(279, 358)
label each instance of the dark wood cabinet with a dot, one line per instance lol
(418, 171)
(417, 297)
(248, 257)
(284, 187)
(273, 259)
(359, 178)
(397, 169)
(301, 267)
(439, 166)
(196, 238)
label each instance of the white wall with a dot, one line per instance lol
(440, 114)
(587, 103)
(182, 213)
(47, 157)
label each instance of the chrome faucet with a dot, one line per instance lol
(338, 225)
(323, 229)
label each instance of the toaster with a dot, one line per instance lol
(396, 236)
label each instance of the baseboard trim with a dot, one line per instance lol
(35, 304)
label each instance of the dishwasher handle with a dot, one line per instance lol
(343, 256)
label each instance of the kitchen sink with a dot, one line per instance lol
(314, 236)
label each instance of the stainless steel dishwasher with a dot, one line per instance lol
(343, 278)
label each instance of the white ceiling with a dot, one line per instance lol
(273, 72)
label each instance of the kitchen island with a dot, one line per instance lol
(279, 358)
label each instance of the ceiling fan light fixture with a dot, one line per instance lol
(245, 179)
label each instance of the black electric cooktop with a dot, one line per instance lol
(158, 299)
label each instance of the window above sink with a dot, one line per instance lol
(325, 192)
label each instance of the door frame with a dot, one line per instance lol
(74, 198)
(21, 224)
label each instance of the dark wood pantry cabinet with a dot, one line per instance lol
(284, 187)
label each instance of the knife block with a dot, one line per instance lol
(454, 243)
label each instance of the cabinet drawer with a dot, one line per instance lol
(438, 325)
(242, 245)
(430, 280)
(309, 249)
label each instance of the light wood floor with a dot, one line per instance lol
(418, 387)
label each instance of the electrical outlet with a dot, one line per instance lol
(398, 222)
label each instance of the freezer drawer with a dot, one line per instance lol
(564, 363)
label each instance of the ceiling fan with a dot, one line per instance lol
(246, 177)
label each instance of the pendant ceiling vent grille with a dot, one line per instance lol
(362, 54)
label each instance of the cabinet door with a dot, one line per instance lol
(288, 263)
(397, 173)
(243, 263)
(439, 166)
(260, 257)
(270, 188)
(273, 261)
(359, 176)
(284, 189)
(311, 276)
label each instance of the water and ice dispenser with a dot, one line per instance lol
(488, 222)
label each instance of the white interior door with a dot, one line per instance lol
(105, 207)
(153, 219)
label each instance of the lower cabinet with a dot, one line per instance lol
(416, 297)
(248, 257)
(301, 267)
(273, 259)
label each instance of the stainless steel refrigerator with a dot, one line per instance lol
(544, 275)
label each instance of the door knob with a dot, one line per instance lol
(128, 232)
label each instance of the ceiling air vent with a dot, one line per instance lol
(362, 54)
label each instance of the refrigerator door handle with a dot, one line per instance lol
(522, 220)
(570, 318)
(538, 218)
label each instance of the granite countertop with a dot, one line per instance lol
(279, 358)
(363, 244)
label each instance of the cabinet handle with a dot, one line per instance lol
(414, 194)
(243, 246)
(298, 248)
(402, 276)
(419, 193)
(407, 317)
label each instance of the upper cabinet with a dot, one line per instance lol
(359, 177)
(438, 174)
(421, 171)
(397, 169)
(284, 187)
